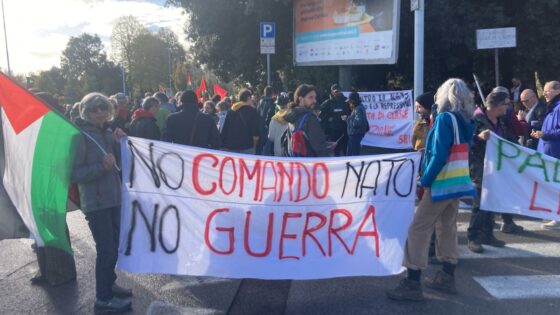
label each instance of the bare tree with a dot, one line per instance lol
(125, 32)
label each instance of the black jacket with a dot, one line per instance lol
(190, 127)
(266, 109)
(144, 125)
(535, 121)
(312, 128)
(242, 124)
(331, 111)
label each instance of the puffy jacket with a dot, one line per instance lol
(99, 188)
(312, 128)
(144, 125)
(549, 144)
(439, 142)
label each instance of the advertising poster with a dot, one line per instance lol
(346, 32)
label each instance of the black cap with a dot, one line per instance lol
(335, 87)
(426, 100)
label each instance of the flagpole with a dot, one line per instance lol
(6, 40)
(61, 116)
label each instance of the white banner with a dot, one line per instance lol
(191, 211)
(519, 180)
(391, 118)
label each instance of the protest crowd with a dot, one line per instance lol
(295, 124)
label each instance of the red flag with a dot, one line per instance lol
(202, 89)
(220, 91)
(197, 91)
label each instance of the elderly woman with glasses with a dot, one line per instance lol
(96, 173)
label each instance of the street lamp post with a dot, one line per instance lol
(6, 39)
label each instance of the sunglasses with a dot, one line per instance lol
(98, 107)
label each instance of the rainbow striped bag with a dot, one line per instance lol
(454, 180)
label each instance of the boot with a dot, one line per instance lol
(407, 290)
(493, 241)
(442, 282)
(475, 246)
(121, 292)
(114, 305)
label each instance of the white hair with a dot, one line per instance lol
(455, 96)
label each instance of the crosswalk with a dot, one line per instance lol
(519, 271)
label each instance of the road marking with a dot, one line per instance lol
(160, 307)
(182, 282)
(526, 224)
(521, 287)
(514, 250)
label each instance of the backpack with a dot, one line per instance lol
(296, 143)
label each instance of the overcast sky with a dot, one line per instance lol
(38, 30)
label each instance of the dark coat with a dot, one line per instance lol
(266, 109)
(241, 126)
(331, 112)
(535, 121)
(190, 127)
(144, 125)
(311, 127)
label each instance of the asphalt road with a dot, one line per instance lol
(523, 278)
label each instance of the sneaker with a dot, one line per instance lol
(38, 279)
(476, 247)
(493, 241)
(121, 292)
(552, 225)
(407, 290)
(511, 228)
(442, 282)
(114, 305)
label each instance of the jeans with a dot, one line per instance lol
(105, 225)
(354, 146)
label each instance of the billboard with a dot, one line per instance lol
(346, 32)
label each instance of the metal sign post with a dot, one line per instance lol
(268, 35)
(495, 38)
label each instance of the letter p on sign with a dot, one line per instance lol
(268, 30)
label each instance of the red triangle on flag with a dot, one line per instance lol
(220, 91)
(21, 107)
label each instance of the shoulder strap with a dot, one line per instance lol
(301, 122)
(455, 128)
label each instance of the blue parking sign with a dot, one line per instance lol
(268, 29)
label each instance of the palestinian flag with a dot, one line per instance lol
(39, 152)
(189, 82)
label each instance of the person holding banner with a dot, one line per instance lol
(481, 226)
(549, 135)
(96, 173)
(445, 179)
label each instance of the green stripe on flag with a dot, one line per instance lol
(52, 166)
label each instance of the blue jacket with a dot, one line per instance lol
(439, 142)
(549, 144)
